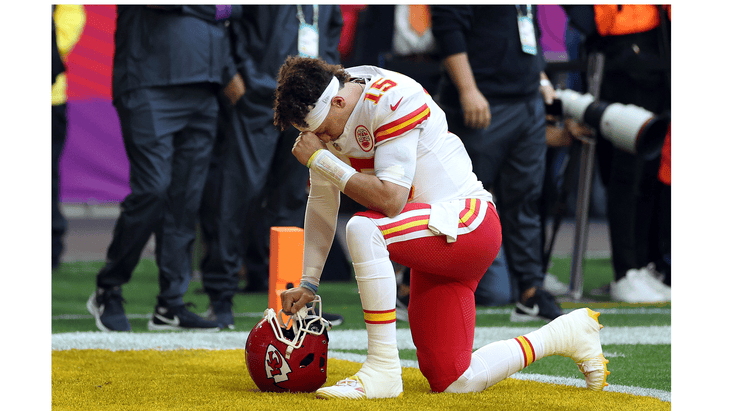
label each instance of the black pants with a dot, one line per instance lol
(633, 190)
(281, 204)
(168, 134)
(255, 183)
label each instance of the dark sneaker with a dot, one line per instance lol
(539, 307)
(179, 319)
(106, 307)
(221, 312)
(334, 319)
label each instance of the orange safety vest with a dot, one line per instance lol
(630, 18)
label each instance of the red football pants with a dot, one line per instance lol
(441, 308)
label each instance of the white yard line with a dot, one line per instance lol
(339, 340)
(479, 311)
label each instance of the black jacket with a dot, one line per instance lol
(168, 45)
(490, 37)
(266, 35)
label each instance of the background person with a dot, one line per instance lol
(494, 91)
(636, 43)
(253, 164)
(169, 64)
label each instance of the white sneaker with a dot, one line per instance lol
(349, 388)
(585, 346)
(634, 289)
(651, 278)
(555, 286)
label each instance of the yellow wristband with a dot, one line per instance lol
(311, 158)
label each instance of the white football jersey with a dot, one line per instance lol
(397, 133)
(391, 106)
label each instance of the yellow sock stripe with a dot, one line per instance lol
(528, 352)
(379, 317)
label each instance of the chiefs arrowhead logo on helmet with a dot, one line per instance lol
(292, 357)
(276, 366)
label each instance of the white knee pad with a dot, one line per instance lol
(365, 241)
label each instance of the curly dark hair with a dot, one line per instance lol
(301, 81)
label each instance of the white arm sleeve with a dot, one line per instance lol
(320, 224)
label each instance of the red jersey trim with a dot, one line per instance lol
(402, 125)
(470, 212)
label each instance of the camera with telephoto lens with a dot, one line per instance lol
(629, 127)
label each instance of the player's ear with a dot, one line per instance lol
(339, 101)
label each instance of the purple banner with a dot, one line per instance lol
(552, 22)
(94, 166)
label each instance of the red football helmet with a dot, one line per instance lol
(289, 358)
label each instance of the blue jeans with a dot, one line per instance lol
(496, 288)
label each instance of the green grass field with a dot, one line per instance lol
(635, 360)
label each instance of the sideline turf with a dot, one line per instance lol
(641, 366)
(218, 380)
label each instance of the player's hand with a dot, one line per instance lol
(476, 109)
(293, 299)
(306, 144)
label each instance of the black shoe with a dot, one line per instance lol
(105, 304)
(179, 319)
(221, 311)
(540, 307)
(334, 319)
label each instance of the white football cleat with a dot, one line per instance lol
(349, 388)
(354, 388)
(594, 369)
(584, 346)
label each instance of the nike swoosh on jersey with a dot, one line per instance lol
(393, 107)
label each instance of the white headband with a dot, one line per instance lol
(321, 108)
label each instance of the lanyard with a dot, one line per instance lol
(529, 11)
(302, 20)
(526, 28)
